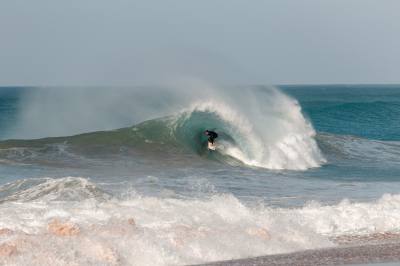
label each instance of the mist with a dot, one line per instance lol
(64, 111)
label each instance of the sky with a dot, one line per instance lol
(128, 42)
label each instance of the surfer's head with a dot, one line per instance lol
(206, 132)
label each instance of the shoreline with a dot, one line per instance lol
(341, 255)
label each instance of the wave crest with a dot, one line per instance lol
(271, 134)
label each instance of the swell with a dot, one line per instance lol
(371, 119)
(352, 148)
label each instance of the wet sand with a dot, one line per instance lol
(342, 255)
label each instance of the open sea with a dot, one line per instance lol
(122, 176)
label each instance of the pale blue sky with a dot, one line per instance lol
(121, 42)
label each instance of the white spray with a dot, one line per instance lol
(269, 129)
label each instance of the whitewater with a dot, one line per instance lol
(123, 176)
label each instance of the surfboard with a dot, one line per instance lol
(211, 147)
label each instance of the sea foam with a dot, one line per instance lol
(148, 230)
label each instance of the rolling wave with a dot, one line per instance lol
(285, 140)
(269, 133)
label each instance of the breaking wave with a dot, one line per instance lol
(264, 128)
(170, 231)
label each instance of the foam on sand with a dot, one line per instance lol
(51, 229)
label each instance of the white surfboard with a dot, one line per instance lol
(211, 146)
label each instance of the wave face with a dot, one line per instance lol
(261, 128)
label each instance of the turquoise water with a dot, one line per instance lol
(308, 163)
(366, 111)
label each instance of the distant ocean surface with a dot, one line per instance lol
(127, 172)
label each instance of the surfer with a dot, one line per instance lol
(211, 136)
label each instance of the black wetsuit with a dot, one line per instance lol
(211, 136)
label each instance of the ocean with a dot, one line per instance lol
(123, 176)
